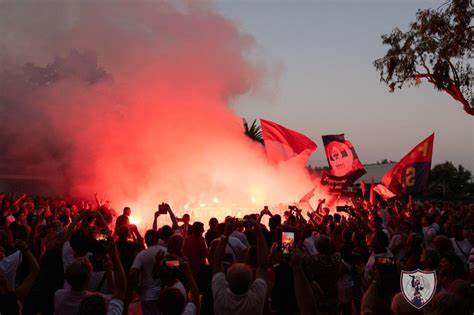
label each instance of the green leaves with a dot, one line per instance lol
(438, 47)
(254, 132)
(448, 181)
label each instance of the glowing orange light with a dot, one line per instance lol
(135, 220)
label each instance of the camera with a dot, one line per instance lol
(388, 261)
(162, 208)
(101, 238)
(172, 263)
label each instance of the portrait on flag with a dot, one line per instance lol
(344, 164)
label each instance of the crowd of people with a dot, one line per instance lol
(68, 256)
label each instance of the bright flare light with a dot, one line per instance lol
(135, 220)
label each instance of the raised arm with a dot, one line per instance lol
(262, 213)
(101, 221)
(362, 223)
(20, 199)
(221, 246)
(299, 217)
(172, 217)
(70, 229)
(99, 204)
(120, 280)
(311, 218)
(33, 232)
(370, 299)
(303, 291)
(262, 252)
(22, 291)
(320, 205)
(137, 235)
(191, 283)
(155, 221)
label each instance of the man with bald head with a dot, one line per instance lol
(78, 275)
(239, 293)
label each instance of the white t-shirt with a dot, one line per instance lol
(67, 301)
(226, 302)
(96, 276)
(241, 236)
(397, 243)
(471, 260)
(429, 233)
(96, 280)
(385, 216)
(309, 244)
(144, 262)
(115, 307)
(234, 247)
(68, 255)
(9, 266)
(190, 309)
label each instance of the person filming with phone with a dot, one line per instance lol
(237, 292)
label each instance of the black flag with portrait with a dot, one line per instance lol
(344, 164)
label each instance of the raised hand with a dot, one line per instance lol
(295, 258)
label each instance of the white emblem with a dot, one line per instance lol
(418, 287)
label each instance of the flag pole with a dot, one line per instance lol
(372, 193)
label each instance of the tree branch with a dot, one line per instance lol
(453, 91)
(424, 64)
(455, 73)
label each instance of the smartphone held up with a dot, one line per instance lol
(172, 263)
(287, 243)
(162, 208)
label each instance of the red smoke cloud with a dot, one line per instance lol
(135, 105)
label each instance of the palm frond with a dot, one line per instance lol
(254, 132)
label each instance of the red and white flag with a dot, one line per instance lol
(308, 195)
(384, 192)
(283, 144)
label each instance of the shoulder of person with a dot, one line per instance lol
(219, 282)
(190, 309)
(59, 293)
(259, 287)
(236, 241)
(115, 307)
